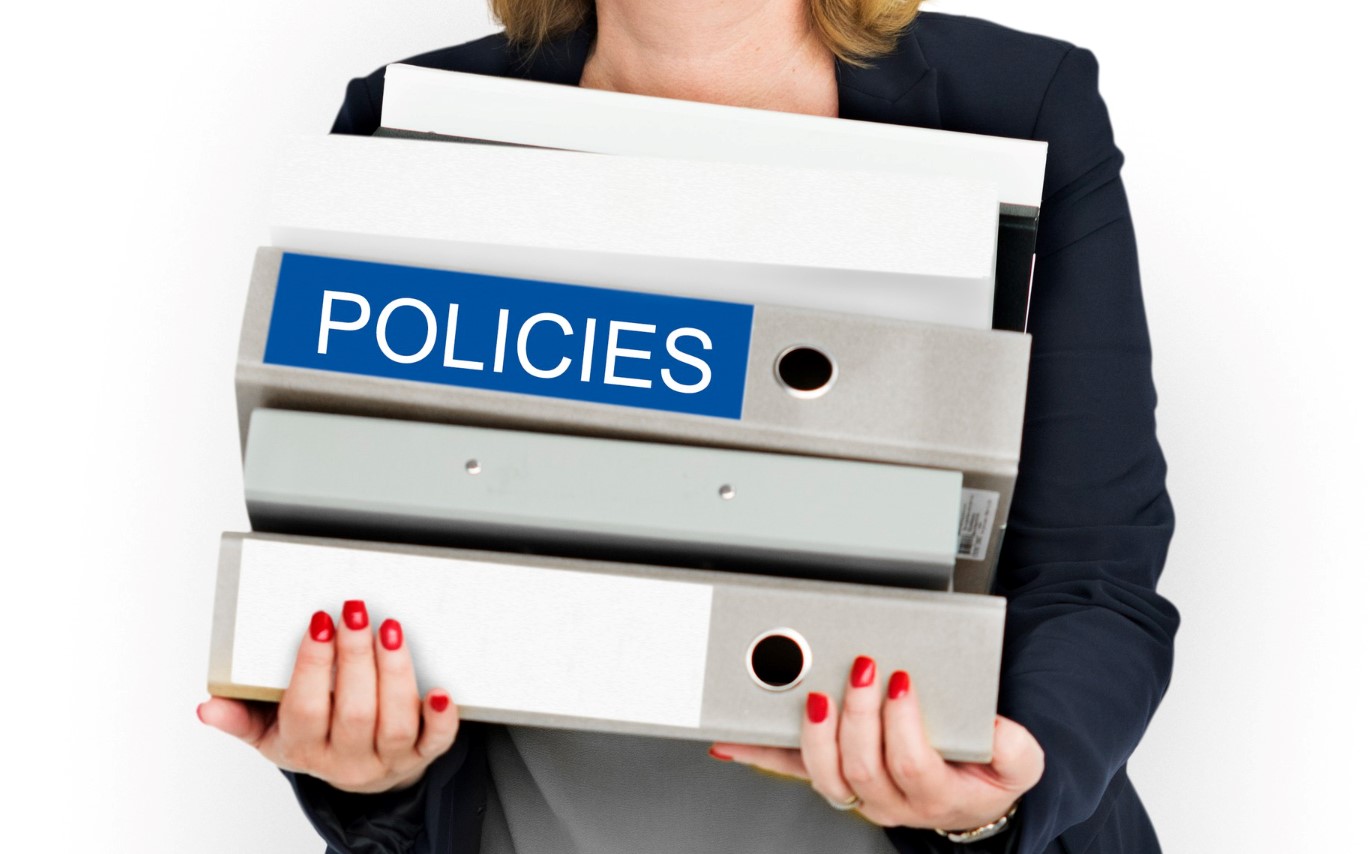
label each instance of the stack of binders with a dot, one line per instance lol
(648, 418)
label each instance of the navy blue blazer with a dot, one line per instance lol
(1088, 646)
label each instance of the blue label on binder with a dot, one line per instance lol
(514, 335)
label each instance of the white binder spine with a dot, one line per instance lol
(567, 117)
(920, 248)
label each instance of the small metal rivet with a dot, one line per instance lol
(726, 492)
(473, 466)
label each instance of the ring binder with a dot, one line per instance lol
(337, 475)
(678, 645)
(904, 393)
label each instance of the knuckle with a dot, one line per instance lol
(350, 779)
(431, 748)
(391, 736)
(315, 655)
(295, 756)
(356, 716)
(354, 650)
(905, 769)
(394, 663)
(858, 771)
(304, 708)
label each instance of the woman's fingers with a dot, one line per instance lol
(875, 749)
(397, 718)
(440, 722)
(352, 731)
(351, 715)
(307, 704)
(1017, 759)
(784, 761)
(860, 742)
(247, 721)
(818, 746)
(917, 769)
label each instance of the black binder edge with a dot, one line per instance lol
(1013, 267)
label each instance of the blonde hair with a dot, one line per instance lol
(854, 30)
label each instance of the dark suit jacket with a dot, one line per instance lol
(1087, 653)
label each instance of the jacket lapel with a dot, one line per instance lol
(899, 88)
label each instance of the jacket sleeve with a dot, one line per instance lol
(385, 823)
(360, 114)
(1088, 640)
(441, 814)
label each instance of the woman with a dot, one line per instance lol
(1088, 640)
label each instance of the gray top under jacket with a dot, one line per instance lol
(566, 792)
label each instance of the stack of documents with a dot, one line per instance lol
(428, 103)
(736, 395)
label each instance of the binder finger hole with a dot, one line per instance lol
(805, 371)
(778, 659)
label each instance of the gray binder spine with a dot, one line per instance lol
(776, 513)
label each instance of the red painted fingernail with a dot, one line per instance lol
(391, 634)
(817, 708)
(438, 702)
(899, 684)
(321, 627)
(354, 614)
(862, 671)
(718, 754)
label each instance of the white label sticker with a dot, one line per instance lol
(978, 507)
(497, 635)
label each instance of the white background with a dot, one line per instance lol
(136, 137)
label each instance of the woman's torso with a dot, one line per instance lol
(561, 792)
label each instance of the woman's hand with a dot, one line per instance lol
(876, 751)
(369, 732)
